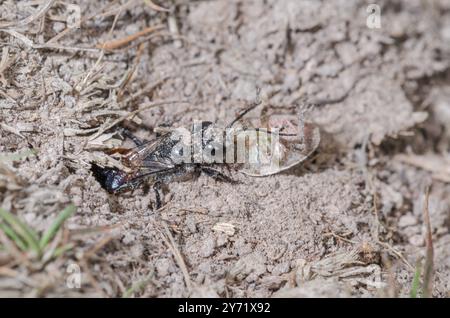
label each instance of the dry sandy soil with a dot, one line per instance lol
(349, 222)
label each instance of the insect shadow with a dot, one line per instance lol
(328, 152)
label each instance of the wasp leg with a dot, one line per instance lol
(128, 134)
(217, 175)
(162, 129)
(156, 188)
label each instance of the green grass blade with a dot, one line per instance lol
(24, 231)
(139, 286)
(53, 229)
(13, 235)
(61, 250)
(416, 281)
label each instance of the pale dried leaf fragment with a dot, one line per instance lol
(345, 266)
(174, 30)
(5, 63)
(224, 227)
(11, 130)
(70, 132)
(100, 158)
(25, 40)
(439, 166)
(105, 141)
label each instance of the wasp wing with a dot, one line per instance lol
(154, 155)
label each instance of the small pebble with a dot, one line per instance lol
(281, 268)
(208, 246)
(417, 240)
(58, 27)
(162, 266)
(407, 220)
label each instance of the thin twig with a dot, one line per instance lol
(170, 242)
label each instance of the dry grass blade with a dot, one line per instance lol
(130, 73)
(138, 286)
(169, 241)
(100, 57)
(439, 166)
(112, 8)
(32, 45)
(39, 13)
(376, 235)
(396, 254)
(145, 90)
(97, 247)
(429, 259)
(19, 36)
(94, 230)
(99, 14)
(132, 114)
(155, 7)
(115, 44)
(11, 130)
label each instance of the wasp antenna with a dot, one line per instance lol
(126, 133)
(252, 106)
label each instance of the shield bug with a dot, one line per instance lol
(295, 141)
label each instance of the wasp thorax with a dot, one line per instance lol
(213, 146)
